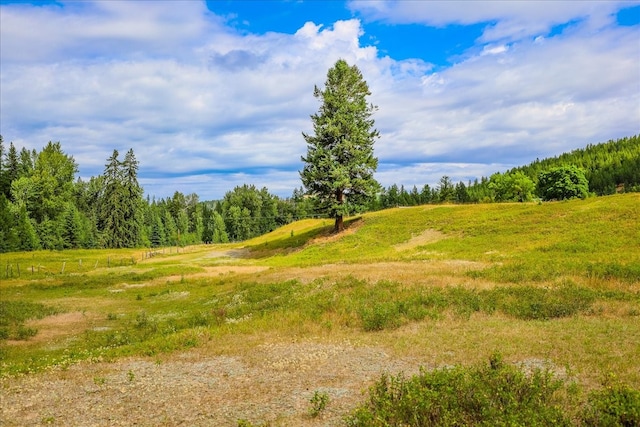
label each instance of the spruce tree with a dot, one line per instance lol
(121, 204)
(12, 165)
(112, 221)
(339, 164)
(133, 200)
(5, 187)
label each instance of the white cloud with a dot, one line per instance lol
(206, 108)
(511, 20)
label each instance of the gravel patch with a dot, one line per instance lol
(272, 384)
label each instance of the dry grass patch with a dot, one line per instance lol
(410, 273)
(51, 328)
(425, 238)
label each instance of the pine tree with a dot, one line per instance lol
(121, 205)
(5, 187)
(8, 238)
(71, 228)
(133, 200)
(339, 164)
(25, 232)
(12, 165)
(112, 211)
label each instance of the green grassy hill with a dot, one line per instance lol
(448, 285)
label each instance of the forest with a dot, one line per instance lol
(44, 206)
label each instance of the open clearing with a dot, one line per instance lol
(212, 335)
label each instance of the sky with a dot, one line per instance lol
(212, 95)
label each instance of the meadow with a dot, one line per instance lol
(551, 287)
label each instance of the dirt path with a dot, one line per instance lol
(272, 384)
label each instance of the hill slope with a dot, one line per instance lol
(609, 166)
(214, 334)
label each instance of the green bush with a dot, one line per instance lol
(487, 395)
(379, 316)
(531, 303)
(616, 405)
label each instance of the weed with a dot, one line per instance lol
(319, 402)
(131, 376)
(99, 381)
(24, 333)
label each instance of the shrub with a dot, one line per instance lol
(383, 315)
(492, 394)
(616, 405)
(530, 303)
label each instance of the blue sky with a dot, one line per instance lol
(215, 94)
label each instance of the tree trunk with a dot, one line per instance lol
(339, 226)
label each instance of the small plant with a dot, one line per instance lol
(24, 333)
(318, 402)
(131, 376)
(112, 316)
(247, 423)
(100, 381)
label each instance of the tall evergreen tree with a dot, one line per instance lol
(8, 238)
(112, 222)
(12, 165)
(5, 187)
(121, 204)
(133, 202)
(26, 233)
(339, 164)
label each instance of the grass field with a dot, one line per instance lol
(447, 285)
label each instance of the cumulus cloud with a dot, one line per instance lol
(206, 108)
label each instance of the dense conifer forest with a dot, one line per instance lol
(44, 206)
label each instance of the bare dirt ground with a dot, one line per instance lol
(271, 385)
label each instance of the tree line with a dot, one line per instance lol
(43, 206)
(599, 169)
